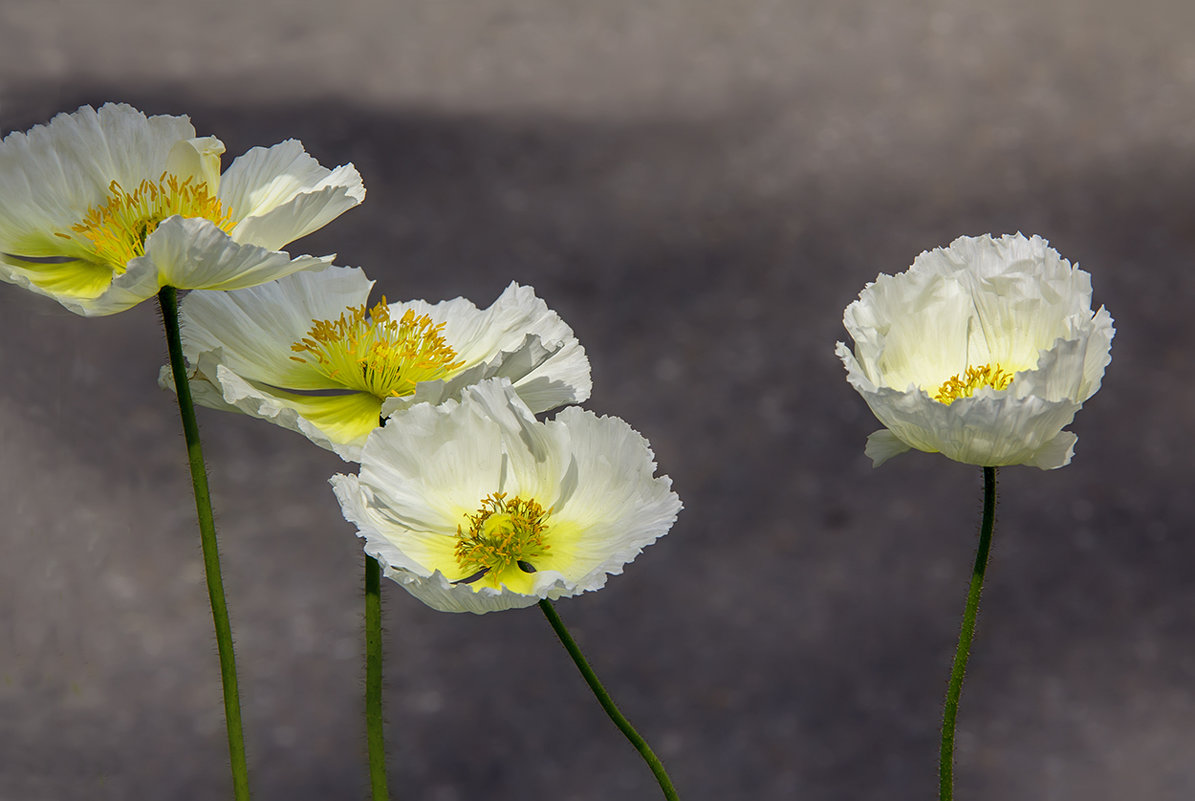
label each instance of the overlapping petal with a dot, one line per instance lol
(242, 345)
(425, 475)
(102, 208)
(1010, 303)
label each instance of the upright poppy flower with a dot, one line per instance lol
(982, 351)
(475, 506)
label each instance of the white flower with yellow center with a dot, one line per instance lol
(474, 506)
(310, 353)
(982, 351)
(101, 209)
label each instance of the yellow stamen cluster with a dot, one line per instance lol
(966, 384)
(370, 352)
(504, 533)
(117, 230)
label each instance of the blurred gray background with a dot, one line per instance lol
(699, 187)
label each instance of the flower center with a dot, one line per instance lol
(966, 384)
(117, 230)
(504, 533)
(370, 352)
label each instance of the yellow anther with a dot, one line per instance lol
(370, 352)
(503, 534)
(966, 384)
(116, 230)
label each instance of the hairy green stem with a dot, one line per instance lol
(955, 688)
(607, 702)
(373, 680)
(168, 299)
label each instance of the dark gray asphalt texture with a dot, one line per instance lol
(699, 187)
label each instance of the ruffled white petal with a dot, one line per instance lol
(548, 379)
(1056, 453)
(1025, 295)
(54, 173)
(1098, 353)
(195, 254)
(518, 338)
(432, 465)
(882, 445)
(197, 160)
(504, 325)
(264, 178)
(934, 339)
(1011, 302)
(609, 495)
(281, 193)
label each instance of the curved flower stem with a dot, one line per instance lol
(168, 299)
(955, 688)
(607, 702)
(373, 680)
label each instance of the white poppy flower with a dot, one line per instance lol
(982, 351)
(101, 209)
(308, 352)
(474, 506)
